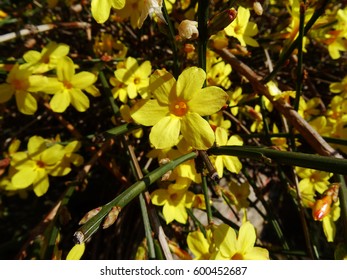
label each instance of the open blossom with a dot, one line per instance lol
(67, 87)
(243, 29)
(241, 247)
(47, 59)
(231, 163)
(21, 83)
(178, 107)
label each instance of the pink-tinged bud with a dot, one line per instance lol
(111, 217)
(89, 215)
(321, 208)
(188, 29)
(221, 20)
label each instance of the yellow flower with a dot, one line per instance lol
(36, 164)
(339, 87)
(134, 77)
(241, 247)
(217, 120)
(178, 108)
(218, 73)
(313, 180)
(235, 98)
(328, 222)
(21, 83)
(67, 87)
(175, 199)
(240, 194)
(101, 8)
(40, 62)
(231, 163)
(243, 29)
(202, 247)
(132, 10)
(307, 109)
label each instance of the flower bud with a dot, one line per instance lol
(258, 8)
(321, 208)
(188, 29)
(111, 217)
(89, 215)
(221, 20)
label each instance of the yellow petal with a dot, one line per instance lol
(117, 4)
(6, 92)
(148, 112)
(190, 82)
(23, 178)
(79, 100)
(165, 133)
(225, 240)
(32, 56)
(41, 183)
(159, 197)
(53, 154)
(101, 10)
(233, 164)
(76, 252)
(329, 228)
(219, 166)
(257, 253)
(60, 101)
(246, 238)
(53, 86)
(83, 79)
(26, 103)
(162, 84)
(221, 136)
(198, 244)
(197, 131)
(208, 101)
(65, 69)
(37, 83)
(36, 145)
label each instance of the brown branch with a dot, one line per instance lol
(310, 135)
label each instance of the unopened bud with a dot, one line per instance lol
(112, 217)
(89, 215)
(258, 8)
(221, 20)
(188, 29)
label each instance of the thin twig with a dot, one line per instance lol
(309, 133)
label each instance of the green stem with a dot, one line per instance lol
(108, 92)
(207, 199)
(196, 221)
(203, 34)
(323, 163)
(172, 40)
(270, 216)
(90, 227)
(294, 45)
(299, 75)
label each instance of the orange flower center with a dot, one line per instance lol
(180, 108)
(237, 256)
(19, 85)
(40, 164)
(67, 85)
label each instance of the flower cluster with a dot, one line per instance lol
(43, 157)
